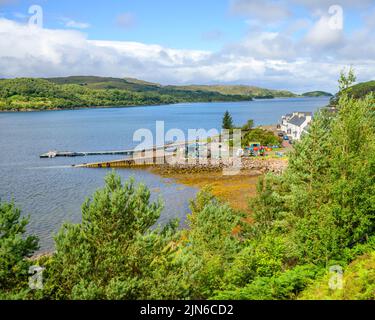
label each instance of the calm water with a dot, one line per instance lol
(51, 192)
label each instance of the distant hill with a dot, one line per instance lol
(317, 94)
(361, 89)
(358, 91)
(140, 86)
(90, 91)
(24, 94)
(108, 83)
(252, 91)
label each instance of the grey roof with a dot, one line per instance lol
(297, 121)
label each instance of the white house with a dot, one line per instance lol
(296, 123)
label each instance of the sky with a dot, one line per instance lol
(298, 45)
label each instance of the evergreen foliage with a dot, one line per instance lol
(15, 249)
(227, 121)
(113, 253)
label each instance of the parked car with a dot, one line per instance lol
(280, 134)
(286, 138)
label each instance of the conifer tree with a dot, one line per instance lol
(15, 248)
(227, 121)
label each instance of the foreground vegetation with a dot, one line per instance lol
(319, 213)
(25, 94)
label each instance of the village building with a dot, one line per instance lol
(295, 124)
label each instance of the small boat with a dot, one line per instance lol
(49, 154)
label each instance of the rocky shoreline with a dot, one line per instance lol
(258, 165)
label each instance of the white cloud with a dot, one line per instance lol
(70, 23)
(268, 59)
(323, 35)
(264, 45)
(326, 4)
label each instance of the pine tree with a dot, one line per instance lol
(113, 254)
(227, 121)
(15, 248)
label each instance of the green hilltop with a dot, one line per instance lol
(362, 89)
(317, 94)
(357, 91)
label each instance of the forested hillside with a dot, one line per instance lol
(139, 85)
(361, 89)
(318, 214)
(64, 93)
(317, 94)
(252, 91)
(88, 91)
(358, 91)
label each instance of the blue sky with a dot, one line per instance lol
(286, 44)
(184, 24)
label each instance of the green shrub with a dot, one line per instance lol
(15, 249)
(264, 137)
(358, 282)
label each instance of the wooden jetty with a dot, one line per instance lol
(142, 159)
(130, 152)
(54, 154)
(145, 157)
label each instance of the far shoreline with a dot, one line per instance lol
(149, 105)
(115, 107)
